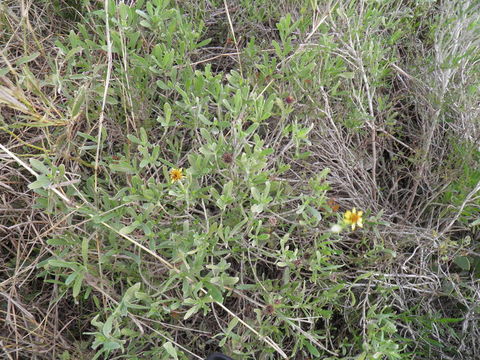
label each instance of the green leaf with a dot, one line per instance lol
(39, 166)
(347, 75)
(27, 58)
(130, 293)
(143, 136)
(123, 166)
(111, 345)
(128, 229)
(227, 189)
(145, 24)
(230, 280)
(206, 135)
(61, 263)
(314, 212)
(85, 250)
(191, 311)
(77, 104)
(312, 349)
(107, 327)
(475, 223)
(42, 182)
(449, 320)
(255, 193)
(364, 276)
(78, 284)
(278, 49)
(204, 120)
(202, 43)
(170, 349)
(232, 324)
(57, 241)
(463, 262)
(70, 278)
(167, 111)
(257, 208)
(214, 292)
(362, 356)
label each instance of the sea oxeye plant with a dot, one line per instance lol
(269, 179)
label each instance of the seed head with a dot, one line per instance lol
(227, 158)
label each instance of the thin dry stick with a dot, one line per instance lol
(175, 343)
(105, 92)
(234, 37)
(424, 159)
(207, 60)
(372, 124)
(266, 339)
(5, 350)
(128, 91)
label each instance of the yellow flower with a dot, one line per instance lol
(353, 218)
(176, 175)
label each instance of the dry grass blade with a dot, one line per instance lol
(105, 89)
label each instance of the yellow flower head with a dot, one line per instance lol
(176, 175)
(353, 218)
